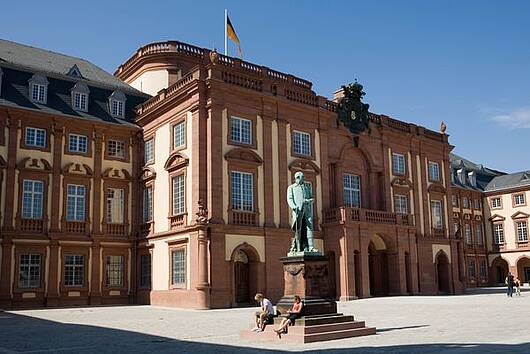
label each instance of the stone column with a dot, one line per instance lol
(95, 283)
(98, 156)
(56, 179)
(5, 279)
(203, 285)
(52, 297)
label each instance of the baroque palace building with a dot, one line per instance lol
(166, 184)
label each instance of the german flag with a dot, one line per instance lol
(231, 32)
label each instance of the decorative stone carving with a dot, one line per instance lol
(202, 214)
(351, 111)
(293, 269)
(214, 56)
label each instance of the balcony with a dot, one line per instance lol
(177, 221)
(115, 229)
(76, 227)
(343, 215)
(244, 218)
(32, 225)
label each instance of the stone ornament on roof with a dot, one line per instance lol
(214, 56)
(351, 111)
(443, 127)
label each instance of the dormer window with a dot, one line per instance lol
(80, 97)
(472, 178)
(117, 104)
(38, 87)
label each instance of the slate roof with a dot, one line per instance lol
(19, 63)
(518, 179)
(483, 174)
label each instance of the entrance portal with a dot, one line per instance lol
(378, 269)
(523, 269)
(241, 277)
(499, 271)
(443, 273)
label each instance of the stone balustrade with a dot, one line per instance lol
(346, 215)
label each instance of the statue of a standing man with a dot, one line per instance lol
(300, 200)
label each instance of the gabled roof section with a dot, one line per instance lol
(75, 72)
(518, 179)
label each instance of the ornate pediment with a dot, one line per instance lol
(116, 173)
(478, 217)
(497, 217)
(456, 215)
(148, 174)
(30, 163)
(351, 111)
(520, 215)
(175, 161)
(243, 155)
(401, 182)
(467, 216)
(306, 166)
(436, 188)
(77, 169)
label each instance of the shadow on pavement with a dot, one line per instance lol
(399, 328)
(494, 290)
(20, 334)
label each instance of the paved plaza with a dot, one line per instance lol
(486, 322)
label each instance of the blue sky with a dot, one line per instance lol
(464, 62)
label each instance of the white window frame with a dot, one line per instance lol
(179, 135)
(398, 164)
(145, 271)
(479, 235)
(115, 198)
(467, 233)
(178, 267)
(351, 187)
(178, 197)
(114, 271)
(301, 147)
(115, 147)
(434, 171)
(522, 231)
(117, 104)
(518, 199)
(496, 203)
(79, 202)
(238, 132)
(33, 199)
(38, 93)
(149, 150)
(401, 204)
(498, 233)
(75, 145)
(437, 220)
(30, 271)
(74, 270)
(241, 199)
(465, 202)
(36, 141)
(148, 204)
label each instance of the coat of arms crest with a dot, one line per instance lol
(351, 111)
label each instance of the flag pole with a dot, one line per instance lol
(226, 24)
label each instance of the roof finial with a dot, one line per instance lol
(443, 127)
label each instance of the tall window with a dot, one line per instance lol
(434, 171)
(116, 149)
(398, 164)
(80, 101)
(77, 143)
(149, 151)
(301, 143)
(242, 191)
(178, 267)
(522, 231)
(148, 204)
(518, 199)
(115, 205)
(38, 93)
(483, 269)
(75, 202)
(35, 137)
(145, 271)
(465, 202)
(437, 216)
(115, 266)
(467, 232)
(179, 135)
(478, 204)
(241, 130)
(178, 195)
(478, 234)
(496, 203)
(29, 271)
(32, 199)
(471, 268)
(401, 204)
(74, 270)
(498, 234)
(454, 199)
(352, 190)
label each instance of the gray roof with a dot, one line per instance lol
(483, 175)
(45, 61)
(518, 179)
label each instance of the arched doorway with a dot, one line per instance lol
(443, 273)
(498, 271)
(241, 277)
(523, 269)
(378, 267)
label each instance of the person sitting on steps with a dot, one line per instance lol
(293, 314)
(266, 313)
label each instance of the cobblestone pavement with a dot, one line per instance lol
(485, 323)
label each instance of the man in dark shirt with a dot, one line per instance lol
(509, 283)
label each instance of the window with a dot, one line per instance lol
(498, 234)
(179, 135)
(38, 93)
(241, 130)
(352, 190)
(75, 202)
(148, 204)
(115, 205)
(242, 191)
(436, 211)
(32, 199)
(478, 234)
(74, 270)
(178, 204)
(178, 267)
(434, 171)
(483, 269)
(29, 271)
(35, 137)
(467, 234)
(117, 104)
(398, 164)
(80, 101)
(301, 143)
(465, 202)
(115, 265)
(478, 204)
(496, 203)
(518, 199)
(456, 228)
(77, 143)
(522, 231)
(149, 151)
(471, 268)
(454, 200)
(116, 149)
(400, 204)
(117, 108)
(145, 271)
